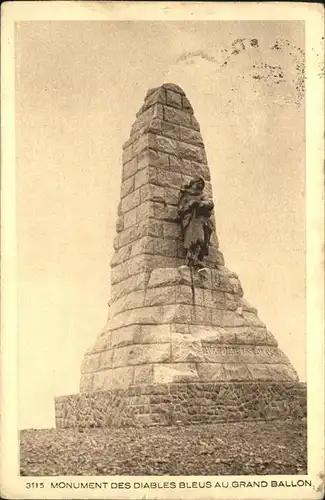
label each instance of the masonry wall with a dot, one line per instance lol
(164, 151)
(183, 404)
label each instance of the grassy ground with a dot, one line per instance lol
(222, 449)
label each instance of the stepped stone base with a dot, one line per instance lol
(182, 404)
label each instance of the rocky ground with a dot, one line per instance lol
(221, 449)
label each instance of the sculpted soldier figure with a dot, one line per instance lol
(194, 211)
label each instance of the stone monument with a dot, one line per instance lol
(181, 344)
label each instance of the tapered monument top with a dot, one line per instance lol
(168, 94)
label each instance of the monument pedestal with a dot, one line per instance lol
(180, 346)
(182, 404)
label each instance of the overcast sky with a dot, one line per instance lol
(78, 88)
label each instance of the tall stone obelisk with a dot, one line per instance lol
(169, 324)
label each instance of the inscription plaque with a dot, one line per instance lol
(243, 354)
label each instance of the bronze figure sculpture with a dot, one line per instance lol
(194, 211)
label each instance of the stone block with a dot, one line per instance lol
(127, 155)
(191, 152)
(155, 228)
(174, 372)
(119, 223)
(171, 195)
(236, 372)
(137, 354)
(270, 339)
(170, 130)
(143, 374)
(194, 123)
(177, 116)
(144, 315)
(153, 334)
(227, 318)
(177, 313)
(153, 158)
(173, 99)
(186, 105)
(143, 246)
(259, 371)
(165, 212)
(125, 335)
(106, 359)
(122, 377)
(185, 275)
(103, 380)
(144, 116)
(190, 135)
(210, 371)
(236, 286)
(165, 247)
(252, 319)
(156, 96)
(123, 271)
(282, 372)
(245, 335)
(142, 177)
(179, 165)
(103, 342)
(219, 299)
(247, 307)
(138, 128)
(201, 315)
(129, 169)
(90, 363)
(130, 218)
(121, 255)
(179, 328)
(145, 141)
(141, 334)
(127, 302)
(231, 301)
(260, 336)
(202, 280)
(184, 294)
(163, 277)
(155, 125)
(229, 336)
(131, 234)
(208, 299)
(153, 192)
(173, 87)
(160, 296)
(169, 179)
(187, 351)
(199, 296)
(86, 382)
(127, 186)
(160, 261)
(171, 230)
(130, 201)
(144, 210)
(208, 333)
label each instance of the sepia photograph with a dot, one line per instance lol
(167, 332)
